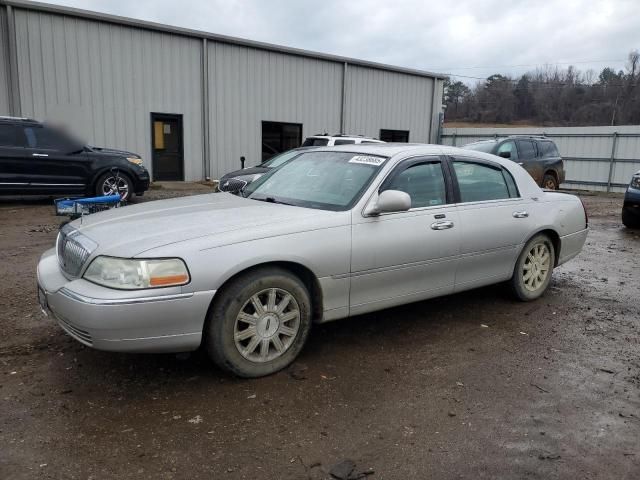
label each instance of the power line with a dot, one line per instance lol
(528, 65)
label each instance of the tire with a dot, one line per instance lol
(250, 343)
(524, 286)
(106, 185)
(630, 219)
(549, 182)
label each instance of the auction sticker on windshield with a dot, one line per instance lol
(367, 160)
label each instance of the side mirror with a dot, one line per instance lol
(391, 201)
(505, 154)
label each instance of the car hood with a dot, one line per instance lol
(217, 219)
(244, 171)
(113, 151)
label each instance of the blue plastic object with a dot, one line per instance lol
(76, 207)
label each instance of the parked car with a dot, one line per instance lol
(235, 181)
(334, 232)
(326, 140)
(631, 206)
(537, 154)
(36, 159)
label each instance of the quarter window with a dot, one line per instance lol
(508, 147)
(480, 182)
(424, 182)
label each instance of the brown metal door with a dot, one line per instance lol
(167, 147)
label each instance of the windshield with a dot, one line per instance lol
(486, 147)
(280, 159)
(322, 180)
(315, 142)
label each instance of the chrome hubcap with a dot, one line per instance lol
(267, 325)
(536, 267)
(113, 185)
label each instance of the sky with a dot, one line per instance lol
(465, 38)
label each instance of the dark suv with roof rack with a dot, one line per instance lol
(538, 155)
(36, 159)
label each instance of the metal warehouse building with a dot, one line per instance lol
(192, 103)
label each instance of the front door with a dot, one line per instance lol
(406, 256)
(167, 147)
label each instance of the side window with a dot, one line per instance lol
(42, 137)
(526, 149)
(480, 182)
(510, 147)
(343, 142)
(424, 182)
(547, 149)
(11, 136)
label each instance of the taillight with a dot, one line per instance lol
(586, 216)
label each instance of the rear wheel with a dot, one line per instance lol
(532, 273)
(630, 219)
(550, 182)
(259, 323)
(110, 184)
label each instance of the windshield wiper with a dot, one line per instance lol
(271, 200)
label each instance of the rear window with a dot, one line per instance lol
(315, 142)
(486, 147)
(344, 142)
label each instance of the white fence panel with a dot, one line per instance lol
(595, 158)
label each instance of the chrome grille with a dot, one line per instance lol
(73, 250)
(232, 185)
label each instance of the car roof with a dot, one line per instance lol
(7, 119)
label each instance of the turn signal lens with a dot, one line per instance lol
(136, 160)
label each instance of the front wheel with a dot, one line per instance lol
(532, 273)
(259, 323)
(630, 219)
(110, 184)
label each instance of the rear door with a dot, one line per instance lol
(54, 163)
(493, 221)
(13, 177)
(528, 158)
(406, 256)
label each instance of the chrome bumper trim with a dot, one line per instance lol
(121, 301)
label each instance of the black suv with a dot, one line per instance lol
(36, 159)
(538, 155)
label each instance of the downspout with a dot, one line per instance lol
(12, 57)
(343, 107)
(206, 164)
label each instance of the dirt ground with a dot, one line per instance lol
(474, 385)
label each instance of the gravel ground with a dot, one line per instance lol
(474, 385)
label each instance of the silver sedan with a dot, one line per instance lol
(334, 232)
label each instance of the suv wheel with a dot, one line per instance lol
(549, 182)
(630, 219)
(109, 184)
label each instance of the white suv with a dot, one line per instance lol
(326, 140)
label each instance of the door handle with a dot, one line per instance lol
(444, 225)
(39, 154)
(522, 214)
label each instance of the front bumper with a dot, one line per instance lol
(161, 320)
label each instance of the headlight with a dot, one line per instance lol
(635, 182)
(249, 178)
(132, 274)
(136, 160)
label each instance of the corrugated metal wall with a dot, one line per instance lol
(4, 63)
(105, 79)
(248, 86)
(587, 151)
(378, 99)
